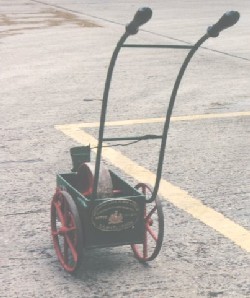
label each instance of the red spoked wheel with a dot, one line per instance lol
(66, 231)
(154, 227)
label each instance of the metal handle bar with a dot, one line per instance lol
(140, 18)
(227, 20)
(137, 138)
(169, 113)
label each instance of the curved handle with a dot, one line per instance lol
(228, 19)
(142, 16)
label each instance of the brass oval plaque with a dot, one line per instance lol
(115, 215)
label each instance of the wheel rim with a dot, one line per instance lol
(65, 230)
(154, 227)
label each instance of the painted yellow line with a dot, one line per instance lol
(173, 194)
(159, 120)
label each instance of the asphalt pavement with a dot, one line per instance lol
(54, 56)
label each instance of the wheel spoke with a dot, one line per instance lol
(152, 233)
(66, 230)
(150, 213)
(65, 212)
(70, 229)
(71, 247)
(153, 227)
(63, 230)
(55, 233)
(145, 245)
(65, 254)
(68, 244)
(59, 213)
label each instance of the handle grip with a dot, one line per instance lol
(142, 16)
(228, 19)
